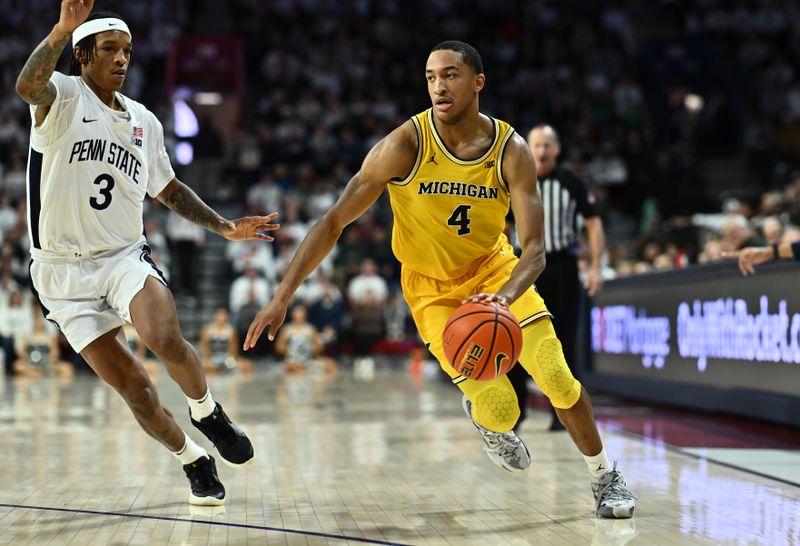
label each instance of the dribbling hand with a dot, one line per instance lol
(250, 227)
(273, 316)
(484, 298)
(73, 13)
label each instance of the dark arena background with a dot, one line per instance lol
(682, 117)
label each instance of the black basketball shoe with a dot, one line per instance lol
(232, 444)
(207, 490)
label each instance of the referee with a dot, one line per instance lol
(565, 197)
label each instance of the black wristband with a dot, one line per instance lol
(776, 252)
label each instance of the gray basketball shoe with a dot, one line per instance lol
(505, 449)
(612, 497)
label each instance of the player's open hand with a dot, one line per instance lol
(749, 258)
(250, 227)
(73, 13)
(273, 316)
(485, 298)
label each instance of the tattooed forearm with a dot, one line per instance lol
(33, 83)
(186, 203)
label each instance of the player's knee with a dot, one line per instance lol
(556, 379)
(167, 344)
(139, 393)
(495, 408)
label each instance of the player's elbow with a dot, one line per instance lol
(23, 89)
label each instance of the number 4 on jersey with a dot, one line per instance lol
(460, 219)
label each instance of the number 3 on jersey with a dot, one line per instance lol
(106, 184)
(460, 219)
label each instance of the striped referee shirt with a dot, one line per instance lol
(564, 197)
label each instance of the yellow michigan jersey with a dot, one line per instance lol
(448, 213)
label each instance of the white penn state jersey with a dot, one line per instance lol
(89, 168)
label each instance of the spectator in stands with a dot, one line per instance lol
(219, 346)
(264, 194)
(14, 178)
(772, 230)
(186, 241)
(368, 286)
(8, 214)
(663, 262)
(328, 312)
(299, 343)
(249, 288)
(350, 253)
(367, 295)
(737, 234)
(16, 322)
(7, 287)
(242, 254)
(39, 355)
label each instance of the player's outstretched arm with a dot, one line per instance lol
(750, 257)
(180, 198)
(519, 172)
(391, 158)
(33, 83)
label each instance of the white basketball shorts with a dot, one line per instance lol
(87, 296)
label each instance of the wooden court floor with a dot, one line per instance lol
(392, 460)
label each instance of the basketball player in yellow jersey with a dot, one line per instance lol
(452, 173)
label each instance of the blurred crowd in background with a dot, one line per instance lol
(683, 116)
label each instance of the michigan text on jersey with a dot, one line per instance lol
(457, 188)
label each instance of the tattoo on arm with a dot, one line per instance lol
(38, 69)
(185, 202)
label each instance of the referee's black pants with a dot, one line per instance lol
(559, 286)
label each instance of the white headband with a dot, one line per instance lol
(98, 25)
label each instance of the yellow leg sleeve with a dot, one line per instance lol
(495, 407)
(543, 358)
(494, 403)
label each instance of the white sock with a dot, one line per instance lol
(203, 407)
(190, 451)
(597, 464)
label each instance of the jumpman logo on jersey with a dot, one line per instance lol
(432, 159)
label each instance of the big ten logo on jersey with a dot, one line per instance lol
(138, 135)
(473, 356)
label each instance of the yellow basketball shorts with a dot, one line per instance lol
(494, 403)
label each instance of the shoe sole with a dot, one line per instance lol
(205, 501)
(248, 462)
(612, 513)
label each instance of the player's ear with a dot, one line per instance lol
(81, 56)
(480, 81)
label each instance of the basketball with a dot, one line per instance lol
(482, 340)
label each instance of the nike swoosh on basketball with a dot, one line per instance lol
(88, 120)
(498, 362)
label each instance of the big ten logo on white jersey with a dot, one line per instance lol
(138, 135)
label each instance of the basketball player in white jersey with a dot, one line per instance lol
(94, 156)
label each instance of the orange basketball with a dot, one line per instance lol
(482, 340)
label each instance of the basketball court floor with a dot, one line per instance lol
(391, 460)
